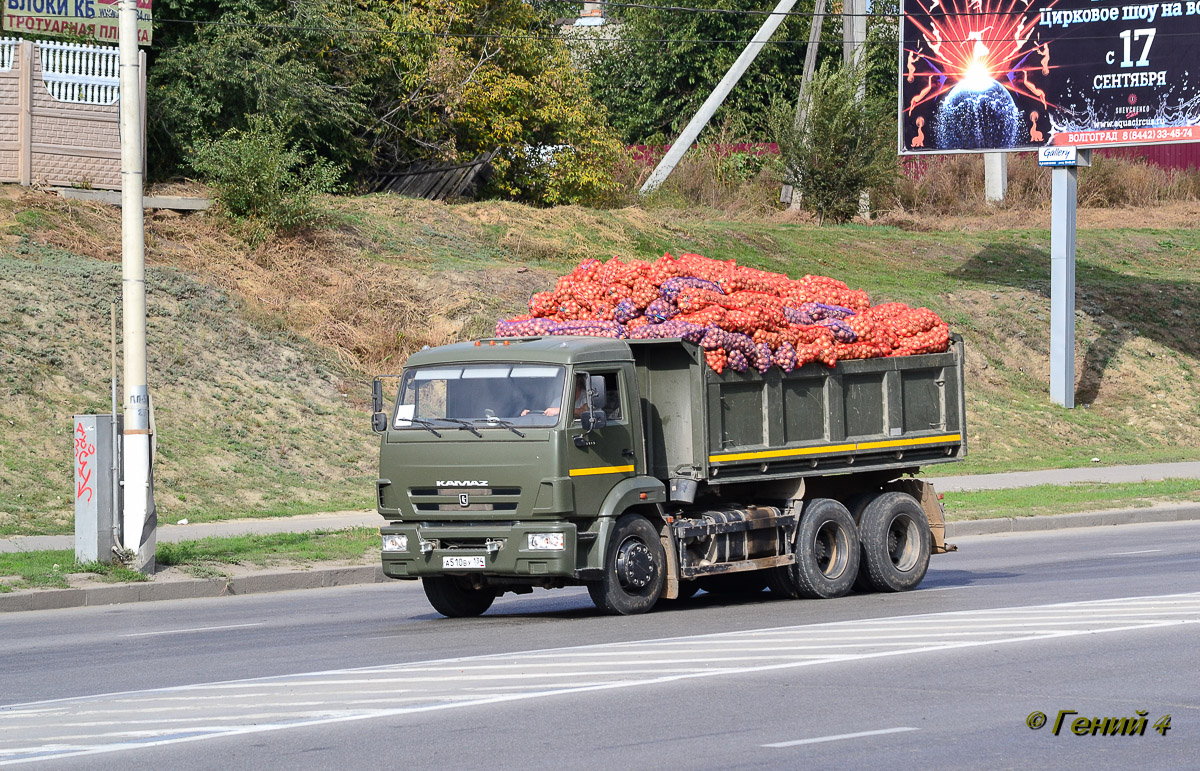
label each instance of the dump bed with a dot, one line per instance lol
(861, 415)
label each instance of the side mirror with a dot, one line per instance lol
(379, 422)
(377, 399)
(597, 393)
(593, 420)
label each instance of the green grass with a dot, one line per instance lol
(1064, 499)
(207, 555)
(49, 570)
(203, 558)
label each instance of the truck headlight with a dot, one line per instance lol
(556, 541)
(395, 543)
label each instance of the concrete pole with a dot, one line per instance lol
(854, 34)
(995, 177)
(854, 50)
(684, 142)
(788, 195)
(138, 532)
(1063, 191)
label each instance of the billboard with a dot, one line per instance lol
(1022, 74)
(96, 19)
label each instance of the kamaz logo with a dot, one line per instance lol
(461, 483)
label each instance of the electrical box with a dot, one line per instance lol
(97, 490)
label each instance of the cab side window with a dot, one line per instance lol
(612, 397)
(612, 400)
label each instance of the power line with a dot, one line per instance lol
(757, 12)
(485, 35)
(583, 38)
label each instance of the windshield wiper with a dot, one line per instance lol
(425, 424)
(464, 424)
(504, 423)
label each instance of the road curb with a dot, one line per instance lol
(260, 583)
(1178, 513)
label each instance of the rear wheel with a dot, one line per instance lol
(826, 551)
(634, 569)
(857, 505)
(456, 596)
(895, 538)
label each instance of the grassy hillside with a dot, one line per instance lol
(260, 357)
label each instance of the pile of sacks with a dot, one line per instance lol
(742, 317)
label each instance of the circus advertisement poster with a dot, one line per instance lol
(978, 75)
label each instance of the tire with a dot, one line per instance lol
(827, 554)
(454, 597)
(896, 542)
(635, 569)
(857, 505)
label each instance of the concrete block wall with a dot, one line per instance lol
(10, 144)
(48, 142)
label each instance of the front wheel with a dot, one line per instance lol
(456, 597)
(634, 569)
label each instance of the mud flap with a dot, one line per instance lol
(671, 585)
(923, 491)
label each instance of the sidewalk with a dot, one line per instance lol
(280, 579)
(174, 533)
(1151, 472)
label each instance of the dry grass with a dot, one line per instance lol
(952, 185)
(332, 286)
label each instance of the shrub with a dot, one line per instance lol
(262, 181)
(846, 144)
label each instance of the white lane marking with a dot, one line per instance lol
(839, 737)
(1126, 553)
(26, 731)
(188, 631)
(949, 588)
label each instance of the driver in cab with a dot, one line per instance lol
(580, 405)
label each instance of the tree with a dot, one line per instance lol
(377, 84)
(846, 145)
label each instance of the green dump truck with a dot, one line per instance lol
(632, 468)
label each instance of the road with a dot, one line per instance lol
(1101, 622)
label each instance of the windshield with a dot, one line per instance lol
(484, 395)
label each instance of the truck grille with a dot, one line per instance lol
(478, 498)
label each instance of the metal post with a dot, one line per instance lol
(995, 176)
(1064, 184)
(714, 100)
(139, 525)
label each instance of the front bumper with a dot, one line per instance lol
(513, 558)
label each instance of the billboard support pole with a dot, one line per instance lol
(995, 177)
(1063, 204)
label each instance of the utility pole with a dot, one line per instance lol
(139, 519)
(684, 142)
(788, 195)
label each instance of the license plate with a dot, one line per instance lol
(462, 562)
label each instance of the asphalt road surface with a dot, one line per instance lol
(1081, 624)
